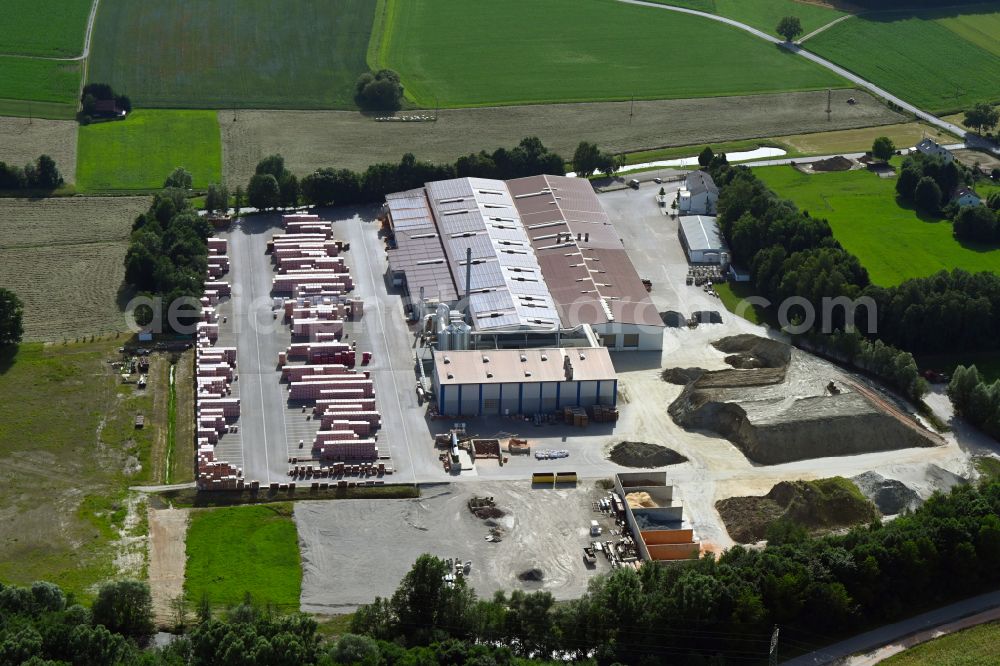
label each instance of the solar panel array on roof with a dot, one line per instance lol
(507, 286)
(418, 252)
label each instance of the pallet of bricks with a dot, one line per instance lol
(603, 414)
(322, 370)
(215, 370)
(576, 416)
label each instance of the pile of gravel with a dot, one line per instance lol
(889, 495)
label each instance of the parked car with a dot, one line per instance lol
(634, 184)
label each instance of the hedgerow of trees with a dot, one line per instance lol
(982, 117)
(11, 318)
(167, 255)
(588, 158)
(976, 400)
(95, 92)
(42, 174)
(344, 187)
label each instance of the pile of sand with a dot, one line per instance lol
(640, 500)
(889, 495)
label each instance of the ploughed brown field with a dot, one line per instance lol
(346, 139)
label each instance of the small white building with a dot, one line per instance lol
(966, 197)
(699, 196)
(933, 149)
(702, 241)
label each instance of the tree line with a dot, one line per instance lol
(40, 625)
(273, 186)
(790, 253)
(975, 399)
(42, 174)
(167, 255)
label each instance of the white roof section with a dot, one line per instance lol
(702, 233)
(507, 287)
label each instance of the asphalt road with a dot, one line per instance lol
(823, 62)
(259, 338)
(924, 623)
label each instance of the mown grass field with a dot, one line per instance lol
(301, 54)
(892, 242)
(138, 153)
(312, 139)
(934, 61)
(764, 14)
(458, 54)
(236, 551)
(976, 646)
(53, 28)
(904, 135)
(43, 88)
(66, 441)
(64, 258)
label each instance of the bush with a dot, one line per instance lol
(927, 195)
(381, 91)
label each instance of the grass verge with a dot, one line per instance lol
(138, 153)
(240, 551)
(191, 498)
(970, 647)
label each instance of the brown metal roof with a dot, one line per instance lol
(511, 366)
(584, 262)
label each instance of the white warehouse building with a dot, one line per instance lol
(702, 241)
(522, 381)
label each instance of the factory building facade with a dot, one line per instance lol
(535, 254)
(522, 381)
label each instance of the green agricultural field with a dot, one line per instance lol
(938, 63)
(521, 51)
(239, 550)
(138, 153)
(764, 14)
(68, 451)
(971, 647)
(892, 242)
(53, 28)
(31, 79)
(300, 54)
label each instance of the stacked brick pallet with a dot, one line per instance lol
(215, 370)
(322, 371)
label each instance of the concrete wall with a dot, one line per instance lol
(673, 551)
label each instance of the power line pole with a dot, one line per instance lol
(772, 655)
(631, 109)
(829, 108)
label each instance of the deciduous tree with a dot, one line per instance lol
(789, 27)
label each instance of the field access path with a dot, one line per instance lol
(823, 62)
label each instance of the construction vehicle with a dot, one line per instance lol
(589, 556)
(832, 388)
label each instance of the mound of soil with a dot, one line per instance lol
(819, 506)
(643, 454)
(673, 319)
(889, 495)
(489, 512)
(838, 163)
(531, 575)
(682, 376)
(767, 353)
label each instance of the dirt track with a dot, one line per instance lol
(312, 139)
(167, 530)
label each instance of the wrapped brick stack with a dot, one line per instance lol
(215, 370)
(311, 269)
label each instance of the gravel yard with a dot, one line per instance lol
(355, 550)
